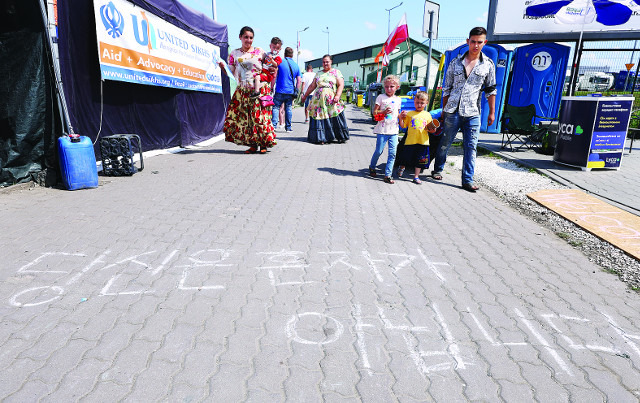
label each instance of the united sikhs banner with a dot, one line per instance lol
(138, 47)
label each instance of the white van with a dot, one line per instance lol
(597, 81)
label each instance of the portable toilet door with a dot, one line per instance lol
(538, 77)
(502, 59)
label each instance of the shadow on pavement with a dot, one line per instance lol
(363, 121)
(291, 138)
(240, 150)
(369, 134)
(344, 172)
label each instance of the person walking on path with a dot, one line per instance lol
(247, 122)
(307, 80)
(387, 109)
(467, 76)
(326, 111)
(287, 84)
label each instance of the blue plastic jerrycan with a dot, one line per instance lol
(77, 162)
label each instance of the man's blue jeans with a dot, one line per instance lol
(470, 127)
(278, 100)
(383, 139)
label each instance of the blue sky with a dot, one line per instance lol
(352, 23)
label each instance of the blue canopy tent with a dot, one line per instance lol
(609, 13)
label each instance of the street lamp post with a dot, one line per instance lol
(327, 32)
(389, 20)
(298, 45)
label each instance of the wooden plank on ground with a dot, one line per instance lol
(616, 226)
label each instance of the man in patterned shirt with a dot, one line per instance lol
(467, 76)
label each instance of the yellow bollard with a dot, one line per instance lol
(360, 99)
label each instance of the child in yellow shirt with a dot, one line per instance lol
(415, 152)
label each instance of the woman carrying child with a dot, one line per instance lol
(415, 152)
(247, 122)
(386, 111)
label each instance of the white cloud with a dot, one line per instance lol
(370, 25)
(305, 55)
(483, 19)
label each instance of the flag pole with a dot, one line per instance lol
(411, 61)
(576, 57)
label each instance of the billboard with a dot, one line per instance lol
(509, 23)
(138, 47)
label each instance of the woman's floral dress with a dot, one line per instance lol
(327, 117)
(247, 122)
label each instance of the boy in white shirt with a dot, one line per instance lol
(386, 111)
(307, 80)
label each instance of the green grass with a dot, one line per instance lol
(567, 237)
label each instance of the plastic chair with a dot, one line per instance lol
(517, 125)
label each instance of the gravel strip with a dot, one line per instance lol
(511, 183)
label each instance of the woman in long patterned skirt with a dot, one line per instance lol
(247, 122)
(325, 109)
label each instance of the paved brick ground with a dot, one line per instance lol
(218, 276)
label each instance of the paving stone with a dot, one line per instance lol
(295, 276)
(80, 381)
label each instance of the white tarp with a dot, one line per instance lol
(138, 47)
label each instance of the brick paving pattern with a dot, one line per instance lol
(292, 276)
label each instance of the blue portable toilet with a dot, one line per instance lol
(621, 79)
(538, 77)
(502, 58)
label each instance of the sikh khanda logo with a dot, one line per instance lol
(112, 19)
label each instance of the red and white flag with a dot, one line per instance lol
(399, 35)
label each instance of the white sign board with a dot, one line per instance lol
(430, 9)
(138, 47)
(508, 21)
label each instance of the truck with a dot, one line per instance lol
(597, 82)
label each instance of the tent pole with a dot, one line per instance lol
(576, 65)
(576, 58)
(62, 102)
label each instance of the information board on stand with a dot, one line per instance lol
(592, 131)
